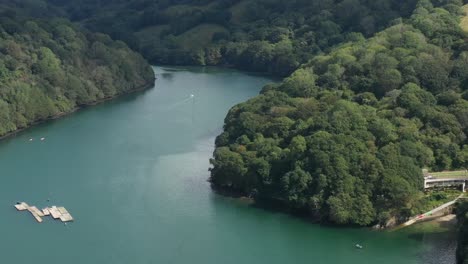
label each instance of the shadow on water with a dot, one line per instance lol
(166, 75)
(440, 248)
(217, 69)
(276, 207)
(439, 238)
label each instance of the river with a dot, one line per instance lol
(133, 173)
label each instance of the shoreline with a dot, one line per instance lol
(449, 220)
(224, 67)
(445, 221)
(446, 224)
(75, 109)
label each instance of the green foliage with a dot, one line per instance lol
(435, 198)
(274, 36)
(346, 135)
(48, 68)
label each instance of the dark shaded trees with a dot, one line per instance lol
(259, 30)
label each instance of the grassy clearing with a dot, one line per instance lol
(178, 10)
(464, 20)
(199, 36)
(449, 174)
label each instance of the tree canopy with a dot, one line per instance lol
(345, 136)
(273, 36)
(374, 90)
(50, 67)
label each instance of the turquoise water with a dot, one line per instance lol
(133, 174)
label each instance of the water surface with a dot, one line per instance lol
(133, 173)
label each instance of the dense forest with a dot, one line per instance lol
(274, 36)
(462, 249)
(344, 138)
(50, 67)
(376, 90)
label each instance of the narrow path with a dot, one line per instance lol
(433, 211)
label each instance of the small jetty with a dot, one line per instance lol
(54, 211)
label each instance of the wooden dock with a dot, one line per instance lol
(65, 215)
(54, 211)
(36, 213)
(22, 206)
(46, 211)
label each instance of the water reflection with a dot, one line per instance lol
(166, 75)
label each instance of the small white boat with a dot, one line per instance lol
(30, 139)
(358, 246)
(42, 139)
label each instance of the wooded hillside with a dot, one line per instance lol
(50, 67)
(274, 36)
(344, 138)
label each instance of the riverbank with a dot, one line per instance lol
(77, 108)
(443, 221)
(439, 224)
